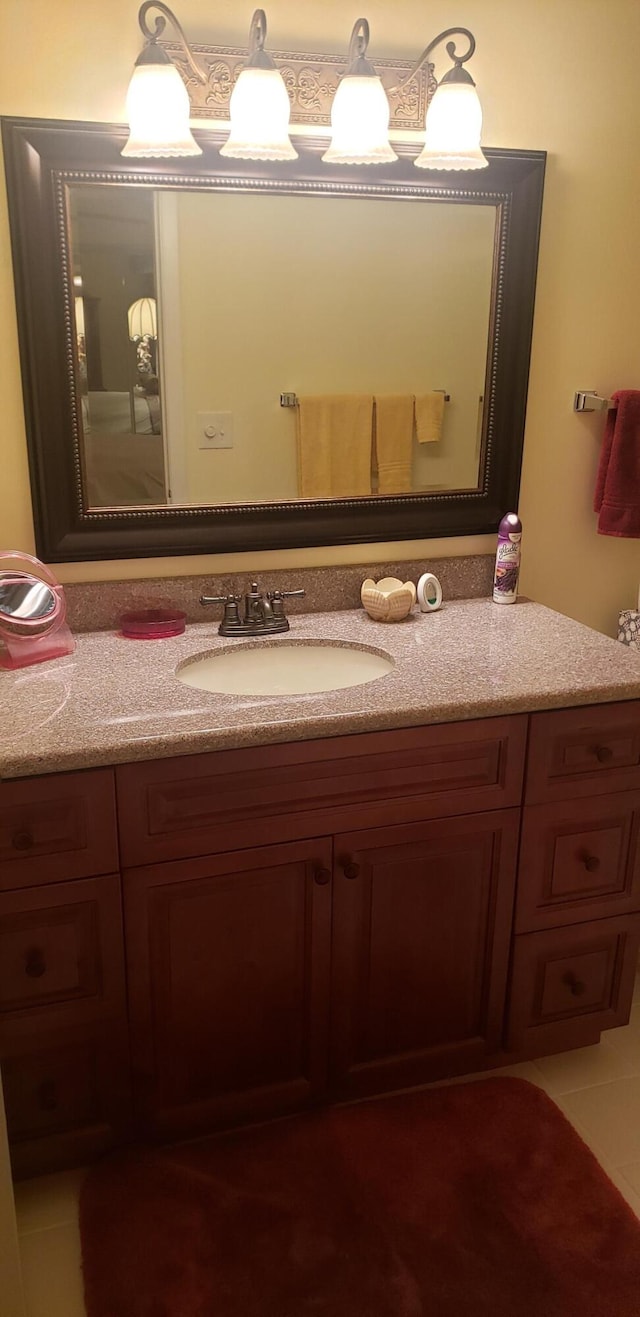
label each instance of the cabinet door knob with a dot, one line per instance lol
(603, 753)
(22, 840)
(575, 985)
(47, 1095)
(350, 869)
(35, 964)
(322, 877)
(591, 863)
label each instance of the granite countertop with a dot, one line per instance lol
(118, 700)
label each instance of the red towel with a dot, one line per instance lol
(617, 497)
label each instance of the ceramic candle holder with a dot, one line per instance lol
(388, 600)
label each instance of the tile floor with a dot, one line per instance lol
(598, 1089)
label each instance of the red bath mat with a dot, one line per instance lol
(477, 1200)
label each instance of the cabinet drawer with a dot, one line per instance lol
(67, 1099)
(583, 752)
(61, 953)
(567, 984)
(57, 827)
(579, 860)
(202, 804)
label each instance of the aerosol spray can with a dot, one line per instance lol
(505, 580)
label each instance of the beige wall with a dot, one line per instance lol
(556, 77)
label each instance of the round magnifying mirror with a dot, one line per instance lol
(24, 598)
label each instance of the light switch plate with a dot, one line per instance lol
(215, 429)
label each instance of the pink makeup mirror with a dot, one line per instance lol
(33, 624)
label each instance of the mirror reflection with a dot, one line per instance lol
(198, 315)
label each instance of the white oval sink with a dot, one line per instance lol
(284, 669)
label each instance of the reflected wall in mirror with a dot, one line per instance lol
(311, 296)
(164, 307)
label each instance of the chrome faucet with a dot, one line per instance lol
(262, 614)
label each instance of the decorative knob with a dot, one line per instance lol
(35, 964)
(591, 863)
(350, 869)
(22, 840)
(576, 986)
(322, 877)
(603, 753)
(47, 1095)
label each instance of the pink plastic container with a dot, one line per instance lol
(33, 613)
(153, 623)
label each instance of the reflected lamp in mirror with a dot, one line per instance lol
(360, 111)
(259, 109)
(142, 318)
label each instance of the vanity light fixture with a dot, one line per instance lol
(259, 108)
(360, 110)
(158, 106)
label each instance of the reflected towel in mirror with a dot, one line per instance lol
(393, 442)
(429, 417)
(334, 435)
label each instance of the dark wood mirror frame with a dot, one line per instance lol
(43, 156)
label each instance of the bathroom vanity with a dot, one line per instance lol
(220, 909)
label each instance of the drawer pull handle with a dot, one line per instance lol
(35, 965)
(591, 863)
(576, 986)
(603, 753)
(47, 1095)
(22, 840)
(322, 877)
(350, 869)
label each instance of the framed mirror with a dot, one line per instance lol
(190, 333)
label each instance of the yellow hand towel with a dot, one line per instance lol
(429, 417)
(394, 436)
(334, 445)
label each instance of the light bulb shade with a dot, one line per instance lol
(360, 123)
(259, 111)
(158, 112)
(453, 127)
(143, 318)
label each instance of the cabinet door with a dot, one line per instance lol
(228, 962)
(422, 919)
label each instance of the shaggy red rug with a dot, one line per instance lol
(476, 1200)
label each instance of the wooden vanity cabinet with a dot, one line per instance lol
(310, 922)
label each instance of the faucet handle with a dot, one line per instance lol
(220, 599)
(286, 594)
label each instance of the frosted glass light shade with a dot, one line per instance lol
(259, 111)
(158, 112)
(453, 127)
(360, 123)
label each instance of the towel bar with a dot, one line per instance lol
(291, 399)
(586, 401)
